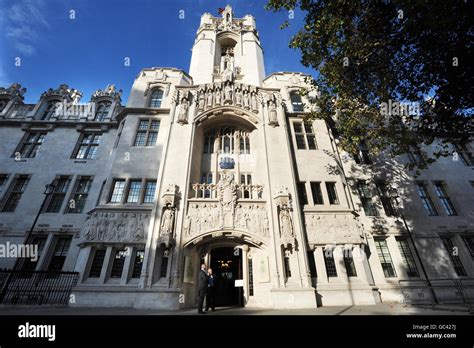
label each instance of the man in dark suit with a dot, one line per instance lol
(211, 285)
(202, 287)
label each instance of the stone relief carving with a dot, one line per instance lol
(325, 229)
(222, 93)
(203, 217)
(115, 227)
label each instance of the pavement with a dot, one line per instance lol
(380, 309)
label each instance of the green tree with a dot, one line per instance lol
(371, 52)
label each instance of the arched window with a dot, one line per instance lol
(209, 142)
(3, 103)
(244, 144)
(296, 102)
(156, 98)
(50, 110)
(227, 140)
(102, 111)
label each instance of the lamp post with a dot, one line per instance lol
(48, 190)
(395, 196)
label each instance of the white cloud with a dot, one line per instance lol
(24, 20)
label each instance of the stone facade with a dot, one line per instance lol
(221, 158)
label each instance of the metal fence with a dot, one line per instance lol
(36, 287)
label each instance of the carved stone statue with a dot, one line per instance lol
(246, 100)
(238, 97)
(228, 94)
(218, 97)
(254, 102)
(183, 111)
(167, 221)
(272, 114)
(201, 101)
(227, 191)
(209, 99)
(227, 68)
(286, 226)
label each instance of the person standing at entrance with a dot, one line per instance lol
(211, 282)
(202, 287)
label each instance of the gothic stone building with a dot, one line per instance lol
(217, 166)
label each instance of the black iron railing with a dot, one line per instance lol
(36, 287)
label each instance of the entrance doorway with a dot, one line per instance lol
(226, 264)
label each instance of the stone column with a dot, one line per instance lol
(106, 265)
(42, 264)
(322, 277)
(245, 272)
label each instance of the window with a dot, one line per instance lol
(362, 156)
(385, 258)
(206, 178)
(147, 132)
(250, 265)
(102, 111)
(29, 147)
(244, 146)
(331, 270)
(246, 181)
(454, 256)
(310, 137)
(304, 135)
(317, 193)
(365, 194)
(118, 191)
(302, 193)
(28, 263)
(79, 197)
(118, 263)
(164, 264)
(87, 146)
(156, 98)
(296, 102)
(286, 264)
(59, 193)
(426, 199)
(97, 263)
(150, 188)
(445, 200)
(138, 263)
(469, 242)
(134, 191)
(349, 263)
(464, 154)
(18, 187)
(332, 193)
(50, 110)
(209, 143)
(416, 158)
(3, 182)
(384, 196)
(59, 254)
(407, 257)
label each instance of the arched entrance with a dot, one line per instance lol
(226, 264)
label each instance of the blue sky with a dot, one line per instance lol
(88, 52)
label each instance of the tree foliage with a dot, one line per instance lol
(373, 52)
